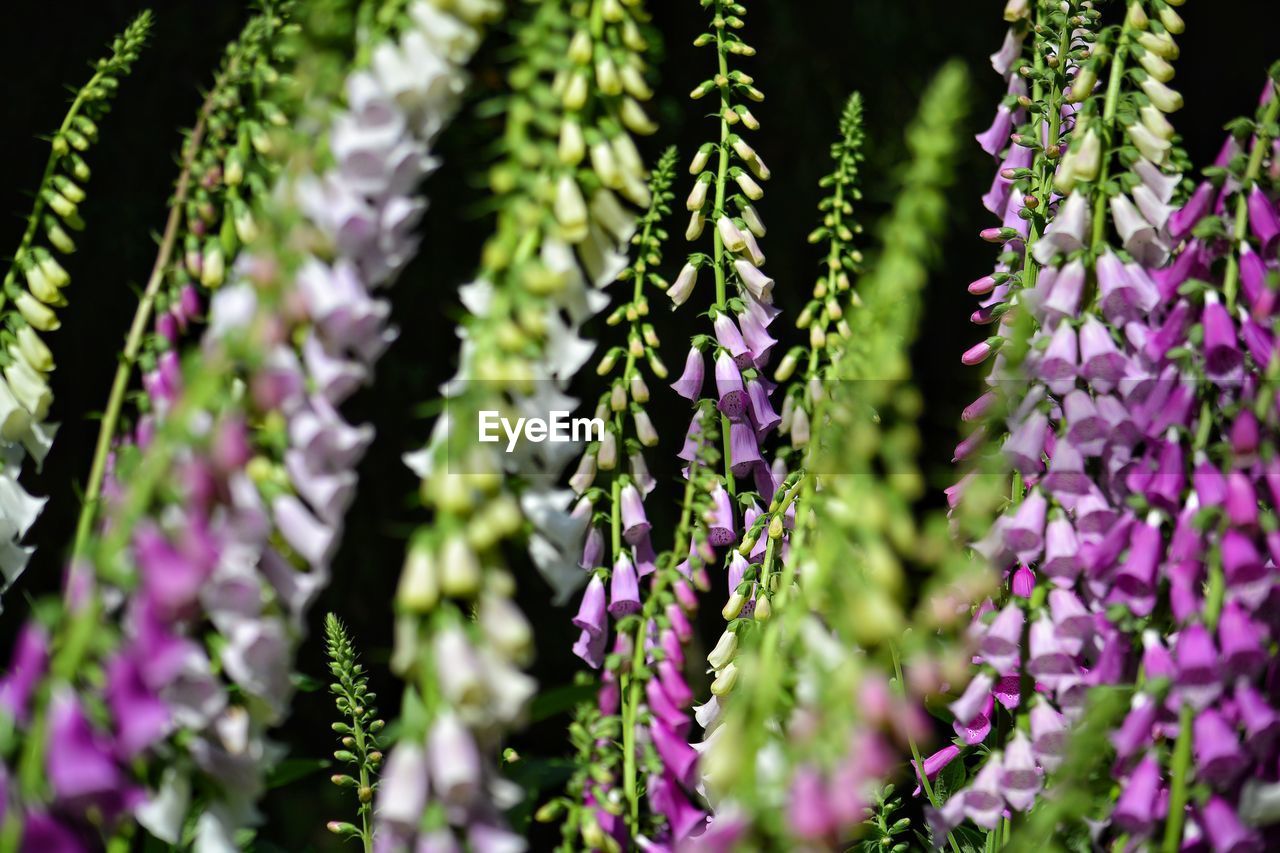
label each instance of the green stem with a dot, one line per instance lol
(1178, 784)
(138, 328)
(722, 175)
(1231, 276)
(33, 222)
(915, 749)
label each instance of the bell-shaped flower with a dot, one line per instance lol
(624, 589)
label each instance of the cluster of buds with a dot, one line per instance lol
(34, 288)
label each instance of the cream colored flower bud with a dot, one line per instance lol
(41, 288)
(33, 350)
(724, 652)
(419, 587)
(1161, 44)
(748, 186)
(607, 77)
(628, 156)
(1136, 17)
(30, 389)
(1148, 144)
(604, 165)
(786, 367)
(733, 606)
(725, 681)
(580, 47)
(14, 419)
(696, 223)
(572, 147)
(1165, 99)
(700, 159)
(1155, 122)
(697, 196)
(575, 92)
(459, 568)
(607, 456)
(213, 270)
(1083, 85)
(1172, 20)
(635, 84)
(38, 315)
(639, 390)
(730, 235)
(752, 218)
(634, 117)
(571, 209)
(1156, 67)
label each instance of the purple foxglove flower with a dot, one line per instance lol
(934, 763)
(402, 790)
(982, 286)
(1112, 664)
(314, 540)
(1134, 733)
(171, 578)
(1167, 482)
(994, 139)
(26, 668)
(720, 527)
(757, 338)
(730, 340)
(1066, 471)
(1048, 660)
(1084, 424)
(142, 719)
(590, 648)
(1064, 299)
(972, 710)
(1123, 431)
(1023, 582)
(1099, 556)
(692, 438)
(1263, 221)
(1182, 220)
(1048, 735)
(678, 757)
(47, 834)
(689, 385)
(1245, 434)
(809, 815)
(1070, 619)
(673, 684)
(635, 525)
(329, 494)
(624, 589)
(1001, 643)
(969, 444)
(1222, 357)
(1119, 298)
(1061, 561)
(1019, 776)
(1241, 563)
(1260, 343)
(1260, 720)
(680, 625)
(592, 550)
(645, 558)
(82, 771)
(591, 611)
(1066, 233)
(1025, 446)
(1241, 641)
(1253, 276)
(1101, 362)
(1209, 484)
(1003, 59)
(1172, 332)
(454, 761)
(729, 388)
(983, 800)
(661, 706)
(1219, 759)
(1242, 500)
(1136, 580)
(758, 285)
(1136, 808)
(1199, 672)
(762, 412)
(1222, 825)
(1025, 532)
(978, 353)
(743, 449)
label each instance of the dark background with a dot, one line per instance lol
(811, 55)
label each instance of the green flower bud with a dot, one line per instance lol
(38, 315)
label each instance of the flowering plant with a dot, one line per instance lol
(1068, 640)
